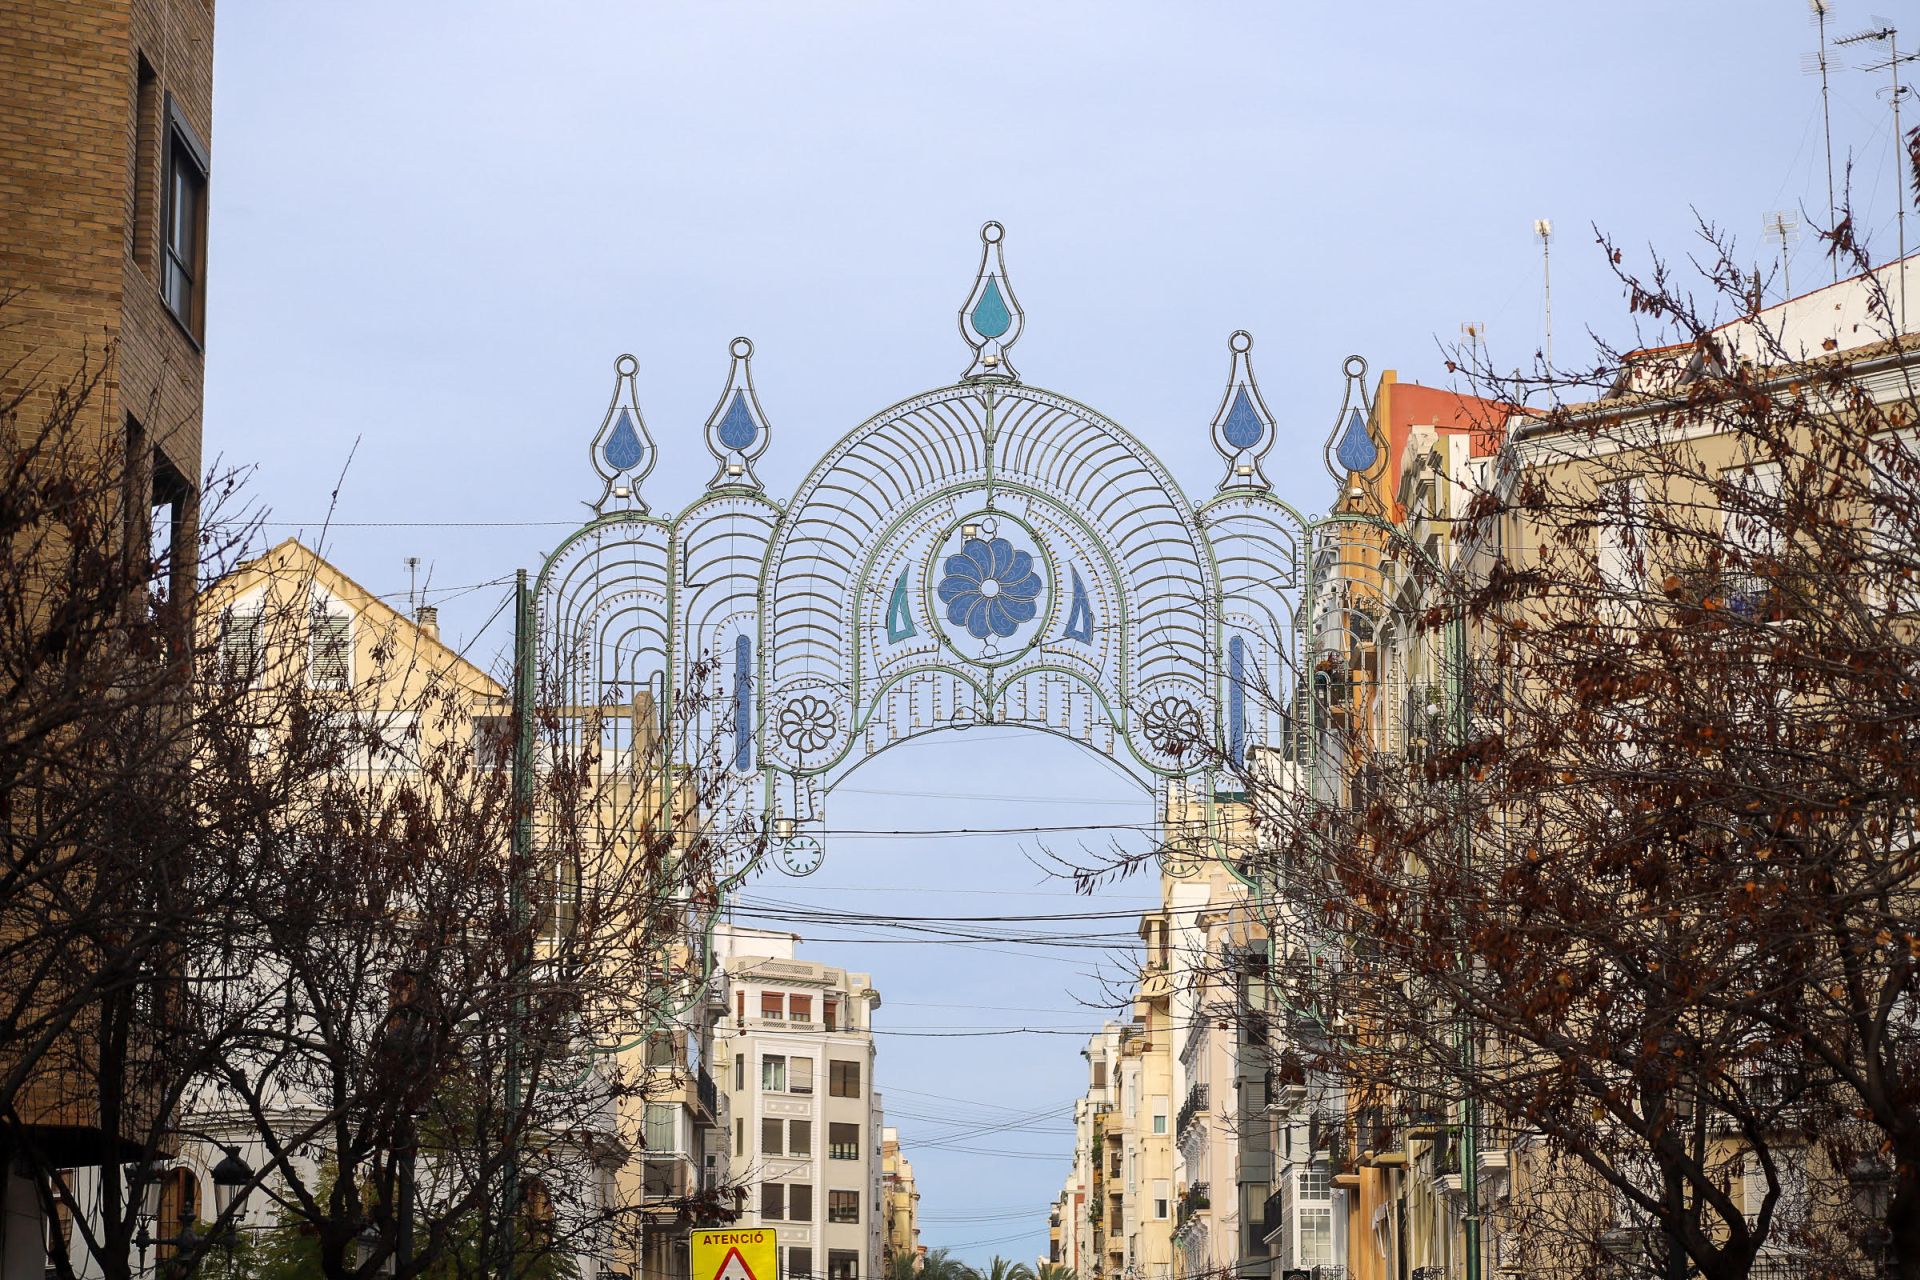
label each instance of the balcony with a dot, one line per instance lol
(1272, 1217)
(1379, 1137)
(709, 1095)
(1193, 1203)
(1195, 1106)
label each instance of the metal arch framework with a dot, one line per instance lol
(985, 553)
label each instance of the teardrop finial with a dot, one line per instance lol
(623, 451)
(1243, 428)
(990, 319)
(1354, 452)
(737, 429)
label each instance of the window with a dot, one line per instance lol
(773, 1202)
(658, 1133)
(843, 1206)
(799, 1137)
(146, 163)
(1895, 539)
(773, 1073)
(183, 227)
(660, 1051)
(772, 1006)
(800, 1202)
(1790, 1170)
(845, 1080)
(799, 1264)
(1100, 1074)
(802, 1075)
(830, 1014)
(328, 637)
(1751, 508)
(1316, 1238)
(1621, 541)
(799, 1008)
(1160, 1114)
(739, 1136)
(739, 1071)
(843, 1264)
(1162, 1193)
(843, 1141)
(493, 742)
(770, 1135)
(169, 508)
(240, 646)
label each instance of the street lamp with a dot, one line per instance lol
(1872, 1185)
(231, 1178)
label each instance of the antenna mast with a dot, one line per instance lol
(1543, 228)
(1783, 228)
(1887, 33)
(1821, 8)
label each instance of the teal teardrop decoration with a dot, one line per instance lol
(1357, 451)
(622, 449)
(990, 315)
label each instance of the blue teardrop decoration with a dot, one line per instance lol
(622, 449)
(1357, 451)
(1243, 427)
(738, 429)
(990, 315)
(1080, 616)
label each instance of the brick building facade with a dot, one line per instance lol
(105, 130)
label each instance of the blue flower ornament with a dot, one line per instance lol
(989, 588)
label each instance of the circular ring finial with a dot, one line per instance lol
(1241, 342)
(741, 348)
(1356, 366)
(626, 365)
(992, 233)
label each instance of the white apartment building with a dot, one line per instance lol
(797, 1054)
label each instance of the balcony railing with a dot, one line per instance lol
(709, 1095)
(1272, 1215)
(1195, 1201)
(1195, 1105)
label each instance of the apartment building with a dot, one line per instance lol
(797, 1053)
(1173, 1169)
(678, 1175)
(105, 155)
(900, 1201)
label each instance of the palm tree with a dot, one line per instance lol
(1054, 1271)
(937, 1264)
(1001, 1269)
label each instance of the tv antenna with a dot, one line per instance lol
(1814, 63)
(1784, 229)
(413, 598)
(1887, 34)
(1543, 227)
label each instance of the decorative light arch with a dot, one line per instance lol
(987, 552)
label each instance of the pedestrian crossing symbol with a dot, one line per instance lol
(735, 1255)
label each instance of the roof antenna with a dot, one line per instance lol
(413, 599)
(1784, 228)
(1817, 63)
(1886, 33)
(1543, 227)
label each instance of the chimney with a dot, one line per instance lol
(427, 618)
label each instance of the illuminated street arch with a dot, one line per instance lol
(984, 553)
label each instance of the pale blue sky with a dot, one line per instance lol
(434, 226)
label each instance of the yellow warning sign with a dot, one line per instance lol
(748, 1254)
